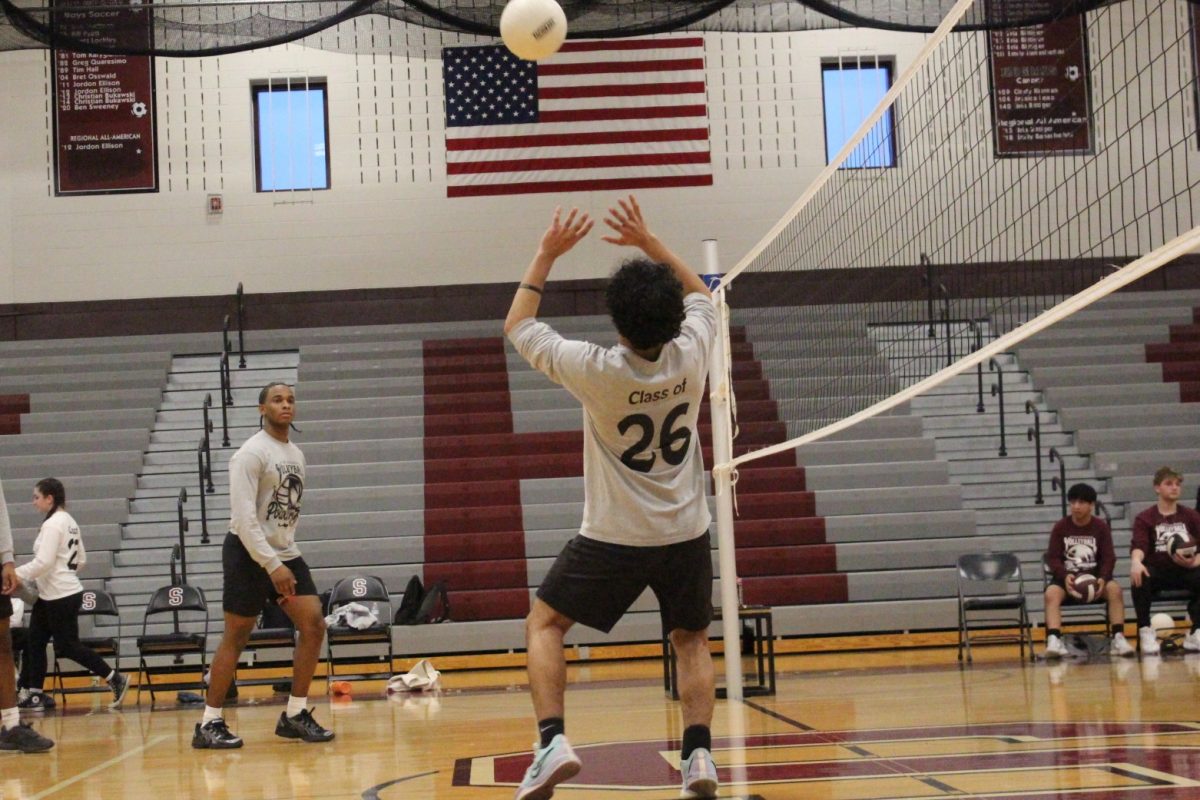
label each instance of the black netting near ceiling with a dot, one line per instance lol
(212, 27)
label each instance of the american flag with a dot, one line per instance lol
(597, 115)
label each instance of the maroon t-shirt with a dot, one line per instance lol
(1077, 549)
(1151, 529)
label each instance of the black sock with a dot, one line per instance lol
(550, 727)
(1118, 627)
(694, 737)
(1053, 632)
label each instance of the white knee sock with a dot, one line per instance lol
(10, 717)
(296, 705)
(210, 714)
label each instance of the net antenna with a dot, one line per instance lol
(854, 319)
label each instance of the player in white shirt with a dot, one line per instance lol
(58, 553)
(13, 734)
(261, 565)
(645, 517)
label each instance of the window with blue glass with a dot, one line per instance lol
(851, 91)
(291, 135)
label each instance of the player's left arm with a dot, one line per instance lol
(559, 238)
(1106, 560)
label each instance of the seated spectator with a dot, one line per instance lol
(1154, 567)
(1081, 543)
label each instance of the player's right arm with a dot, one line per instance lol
(1142, 536)
(245, 472)
(632, 230)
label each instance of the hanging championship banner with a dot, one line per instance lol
(1041, 98)
(104, 134)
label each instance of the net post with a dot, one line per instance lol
(720, 392)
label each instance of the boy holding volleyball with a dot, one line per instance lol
(1081, 544)
(645, 517)
(1160, 558)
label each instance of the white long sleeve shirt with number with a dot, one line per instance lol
(58, 553)
(266, 482)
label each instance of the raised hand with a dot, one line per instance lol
(629, 224)
(562, 234)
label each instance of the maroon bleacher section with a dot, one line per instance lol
(12, 406)
(474, 532)
(782, 555)
(1180, 358)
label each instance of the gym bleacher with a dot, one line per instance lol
(434, 450)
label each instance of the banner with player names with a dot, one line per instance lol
(1041, 97)
(104, 132)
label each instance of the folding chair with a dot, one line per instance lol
(985, 585)
(96, 603)
(178, 644)
(360, 589)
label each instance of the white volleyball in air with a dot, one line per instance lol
(533, 29)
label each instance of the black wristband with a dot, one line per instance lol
(530, 287)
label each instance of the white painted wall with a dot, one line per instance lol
(387, 223)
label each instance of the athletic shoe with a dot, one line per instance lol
(119, 686)
(302, 726)
(699, 774)
(1120, 645)
(36, 701)
(23, 738)
(1191, 642)
(1148, 641)
(552, 764)
(1055, 647)
(215, 735)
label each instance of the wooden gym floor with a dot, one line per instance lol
(897, 724)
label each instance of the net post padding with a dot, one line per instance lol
(935, 39)
(1179, 246)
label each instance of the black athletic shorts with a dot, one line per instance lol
(596, 582)
(248, 587)
(6, 608)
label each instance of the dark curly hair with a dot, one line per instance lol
(645, 300)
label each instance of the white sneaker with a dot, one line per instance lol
(699, 775)
(1120, 645)
(1148, 641)
(1055, 647)
(552, 764)
(1191, 642)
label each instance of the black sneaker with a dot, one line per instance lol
(36, 701)
(119, 686)
(24, 739)
(215, 735)
(302, 726)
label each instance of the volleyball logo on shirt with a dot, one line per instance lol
(1080, 553)
(284, 507)
(1163, 533)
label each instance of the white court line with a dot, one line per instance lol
(98, 768)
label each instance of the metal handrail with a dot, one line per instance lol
(208, 429)
(977, 329)
(226, 398)
(1034, 434)
(183, 528)
(946, 323)
(928, 278)
(226, 347)
(241, 317)
(1059, 481)
(200, 473)
(1101, 508)
(998, 389)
